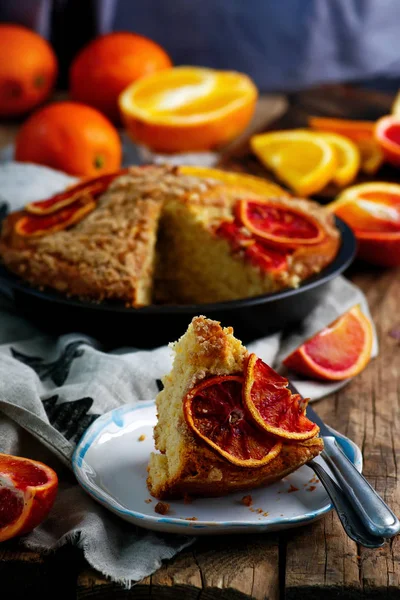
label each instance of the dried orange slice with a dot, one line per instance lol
(300, 158)
(188, 108)
(279, 225)
(348, 158)
(93, 186)
(338, 351)
(28, 489)
(214, 411)
(360, 132)
(250, 182)
(272, 405)
(372, 210)
(31, 225)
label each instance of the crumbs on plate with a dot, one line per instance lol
(247, 500)
(292, 488)
(162, 508)
(191, 519)
(141, 438)
(148, 500)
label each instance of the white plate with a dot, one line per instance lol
(110, 463)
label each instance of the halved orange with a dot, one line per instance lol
(252, 183)
(28, 489)
(279, 225)
(188, 108)
(272, 405)
(339, 351)
(214, 411)
(302, 159)
(360, 132)
(372, 210)
(387, 135)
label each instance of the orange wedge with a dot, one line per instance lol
(360, 132)
(348, 158)
(302, 159)
(188, 108)
(252, 183)
(338, 351)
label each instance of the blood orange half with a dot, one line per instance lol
(279, 224)
(271, 404)
(28, 489)
(214, 411)
(338, 351)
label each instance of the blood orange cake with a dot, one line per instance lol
(164, 234)
(226, 420)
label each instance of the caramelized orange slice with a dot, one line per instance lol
(28, 489)
(214, 411)
(94, 186)
(272, 260)
(271, 404)
(338, 351)
(37, 225)
(278, 224)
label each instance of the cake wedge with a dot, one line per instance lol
(226, 420)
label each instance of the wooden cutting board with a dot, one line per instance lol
(339, 101)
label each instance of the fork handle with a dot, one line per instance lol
(348, 517)
(373, 511)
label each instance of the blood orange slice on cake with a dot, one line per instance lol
(215, 412)
(279, 225)
(338, 351)
(272, 405)
(28, 489)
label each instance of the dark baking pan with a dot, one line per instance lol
(114, 324)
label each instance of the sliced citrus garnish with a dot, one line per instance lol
(360, 132)
(188, 108)
(268, 259)
(250, 182)
(214, 411)
(348, 157)
(272, 405)
(300, 158)
(93, 186)
(372, 210)
(28, 489)
(279, 225)
(31, 225)
(339, 351)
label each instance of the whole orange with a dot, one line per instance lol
(108, 64)
(28, 70)
(70, 137)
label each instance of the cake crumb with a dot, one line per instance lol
(148, 500)
(259, 510)
(265, 514)
(191, 519)
(247, 500)
(311, 488)
(141, 438)
(292, 489)
(161, 508)
(187, 499)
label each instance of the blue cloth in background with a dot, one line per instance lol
(283, 45)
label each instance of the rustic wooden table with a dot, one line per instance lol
(313, 562)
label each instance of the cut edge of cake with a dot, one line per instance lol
(184, 464)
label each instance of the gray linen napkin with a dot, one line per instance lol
(52, 389)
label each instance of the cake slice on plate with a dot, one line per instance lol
(226, 420)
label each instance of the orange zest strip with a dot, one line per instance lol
(38, 225)
(93, 186)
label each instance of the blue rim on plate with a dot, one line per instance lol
(85, 476)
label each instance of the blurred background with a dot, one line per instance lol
(284, 46)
